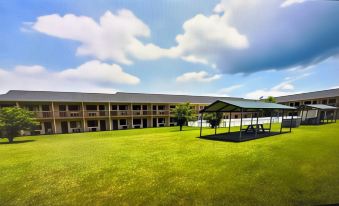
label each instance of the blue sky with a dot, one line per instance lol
(224, 48)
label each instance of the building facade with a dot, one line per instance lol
(71, 112)
(328, 97)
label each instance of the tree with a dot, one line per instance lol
(183, 113)
(213, 118)
(270, 99)
(15, 119)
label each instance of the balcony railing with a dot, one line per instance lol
(103, 113)
(44, 115)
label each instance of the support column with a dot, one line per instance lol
(240, 124)
(83, 117)
(270, 121)
(291, 123)
(202, 114)
(215, 127)
(256, 125)
(109, 116)
(229, 122)
(53, 116)
(282, 119)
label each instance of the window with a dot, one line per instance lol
(45, 107)
(161, 107)
(74, 124)
(91, 107)
(291, 104)
(314, 102)
(114, 107)
(136, 107)
(73, 107)
(32, 108)
(308, 102)
(123, 107)
(172, 119)
(245, 116)
(92, 123)
(161, 120)
(172, 106)
(154, 107)
(62, 107)
(297, 104)
(123, 122)
(235, 116)
(136, 121)
(332, 101)
(144, 107)
(324, 101)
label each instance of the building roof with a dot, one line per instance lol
(310, 95)
(48, 96)
(247, 105)
(320, 106)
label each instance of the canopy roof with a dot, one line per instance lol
(319, 106)
(246, 105)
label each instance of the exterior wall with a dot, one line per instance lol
(327, 101)
(56, 117)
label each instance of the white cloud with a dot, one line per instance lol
(29, 70)
(204, 36)
(282, 89)
(230, 88)
(117, 36)
(92, 76)
(96, 71)
(114, 37)
(201, 76)
(287, 3)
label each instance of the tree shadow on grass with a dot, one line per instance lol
(18, 142)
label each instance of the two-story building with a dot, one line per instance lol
(70, 112)
(328, 97)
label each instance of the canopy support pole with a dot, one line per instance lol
(306, 117)
(270, 121)
(251, 118)
(335, 116)
(256, 127)
(291, 122)
(215, 126)
(229, 122)
(282, 119)
(202, 114)
(240, 123)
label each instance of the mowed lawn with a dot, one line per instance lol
(167, 167)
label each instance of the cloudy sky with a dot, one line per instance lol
(248, 48)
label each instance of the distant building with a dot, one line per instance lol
(328, 97)
(70, 112)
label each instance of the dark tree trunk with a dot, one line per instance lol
(181, 127)
(10, 139)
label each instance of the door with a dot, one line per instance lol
(64, 127)
(154, 122)
(102, 125)
(144, 123)
(115, 125)
(48, 127)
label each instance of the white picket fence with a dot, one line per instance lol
(236, 122)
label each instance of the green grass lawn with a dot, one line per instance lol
(168, 167)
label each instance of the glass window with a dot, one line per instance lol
(136, 121)
(123, 122)
(73, 124)
(114, 107)
(73, 107)
(123, 107)
(92, 123)
(91, 107)
(332, 101)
